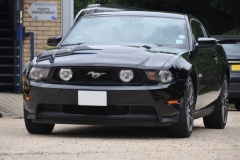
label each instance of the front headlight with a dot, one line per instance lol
(37, 73)
(163, 76)
(26, 66)
(126, 75)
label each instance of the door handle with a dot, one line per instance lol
(215, 58)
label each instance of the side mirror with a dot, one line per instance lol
(53, 41)
(206, 43)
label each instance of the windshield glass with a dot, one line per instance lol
(232, 49)
(124, 29)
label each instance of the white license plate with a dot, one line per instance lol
(92, 98)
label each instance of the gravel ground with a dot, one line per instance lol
(105, 142)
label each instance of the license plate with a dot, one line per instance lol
(92, 98)
(236, 67)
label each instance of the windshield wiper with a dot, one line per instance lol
(71, 44)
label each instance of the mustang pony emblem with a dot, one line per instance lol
(95, 75)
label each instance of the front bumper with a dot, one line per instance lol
(126, 105)
(234, 93)
(234, 90)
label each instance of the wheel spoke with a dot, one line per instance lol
(224, 101)
(223, 110)
(189, 104)
(188, 122)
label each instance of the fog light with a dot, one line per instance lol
(126, 75)
(66, 74)
(165, 76)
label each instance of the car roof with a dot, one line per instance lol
(108, 6)
(95, 8)
(140, 13)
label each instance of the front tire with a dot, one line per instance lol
(37, 128)
(218, 118)
(183, 128)
(237, 106)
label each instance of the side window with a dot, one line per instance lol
(197, 30)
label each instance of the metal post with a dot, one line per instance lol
(15, 50)
(20, 55)
(67, 15)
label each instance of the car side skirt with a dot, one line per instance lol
(204, 112)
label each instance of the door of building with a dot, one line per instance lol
(11, 40)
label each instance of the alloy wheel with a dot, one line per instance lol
(224, 101)
(190, 102)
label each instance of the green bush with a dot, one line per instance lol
(47, 47)
(235, 31)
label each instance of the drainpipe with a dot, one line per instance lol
(31, 34)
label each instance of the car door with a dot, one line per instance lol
(206, 64)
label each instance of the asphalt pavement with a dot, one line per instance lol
(109, 142)
(11, 105)
(83, 142)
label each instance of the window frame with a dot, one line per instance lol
(202, 28)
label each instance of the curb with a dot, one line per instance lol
(17, 117)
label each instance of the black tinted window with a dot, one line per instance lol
(197, 30)
(232, 49)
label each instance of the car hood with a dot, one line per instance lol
(135, 55)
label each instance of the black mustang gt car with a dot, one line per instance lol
(129, 68)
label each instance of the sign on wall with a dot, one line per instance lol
(43, 11)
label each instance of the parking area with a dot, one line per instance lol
(11, 105)
(107, 142)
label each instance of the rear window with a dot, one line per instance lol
(232, 49)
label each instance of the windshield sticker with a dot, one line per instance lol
(179, 41)
(181, 36)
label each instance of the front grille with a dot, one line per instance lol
(83, 76)
(96, 110)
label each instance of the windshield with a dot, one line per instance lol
(232, 49)
(127, 29)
